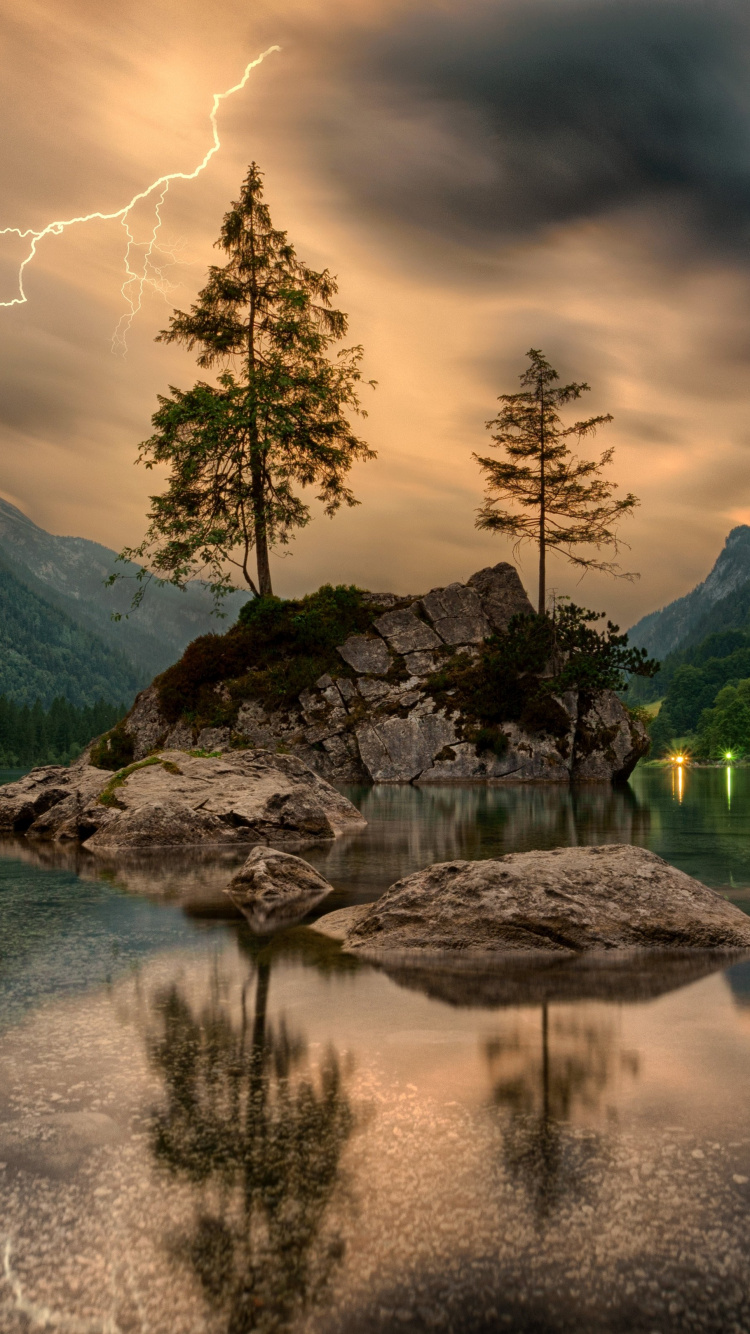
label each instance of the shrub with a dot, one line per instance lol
(114, 750)
(277, 649)
(519, 672)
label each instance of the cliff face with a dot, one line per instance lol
(377, 717)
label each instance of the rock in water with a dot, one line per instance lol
(564, 901)
(176, 799)
(276, 889)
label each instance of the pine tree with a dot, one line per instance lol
(564, 503)
(276, 420)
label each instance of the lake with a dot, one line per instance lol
(207, 1132)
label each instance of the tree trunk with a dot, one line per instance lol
(542, 514)
(261, 540)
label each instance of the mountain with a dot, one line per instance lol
(65, 577)
(45, 654)
(721, 602)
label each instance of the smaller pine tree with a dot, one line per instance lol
(561, 502)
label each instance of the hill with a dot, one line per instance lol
(721, 602)
(64, 640)
(45, 654)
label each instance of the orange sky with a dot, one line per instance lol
(463, 229)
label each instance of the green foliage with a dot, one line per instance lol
(725, 726)
(276, 421)
(519, 673)
(31, 736)
(44, 654)
(277, 649)
(694, 682)
(113, 750)
(559, 500)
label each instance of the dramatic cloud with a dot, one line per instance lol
(491, 120)
(482, 177)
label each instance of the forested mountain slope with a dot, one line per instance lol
(69, 573)
(44, 653)
(721, 602)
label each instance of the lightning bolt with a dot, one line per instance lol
(134, 284)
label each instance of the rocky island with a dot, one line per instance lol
(368, 687)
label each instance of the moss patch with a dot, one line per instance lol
(108, 796)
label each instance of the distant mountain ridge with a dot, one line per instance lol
(720, 602)
(59, 638)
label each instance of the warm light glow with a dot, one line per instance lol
(678, 759)
(134, 285)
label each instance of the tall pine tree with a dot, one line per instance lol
(561, 502)
(277, 420)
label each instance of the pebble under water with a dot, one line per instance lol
(202, 1130)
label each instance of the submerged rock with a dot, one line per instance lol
(561, 902)
(175, 798)
(276, 889)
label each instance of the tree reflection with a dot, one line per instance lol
(261, 1139)
(541, 1087)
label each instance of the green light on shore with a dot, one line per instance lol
(728, 755)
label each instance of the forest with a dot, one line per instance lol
(57, 735)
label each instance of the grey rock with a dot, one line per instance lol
(396, 750)
(180, 737)
(608, 741)
(501, 593)
(347, 689)
(372, 690)
(275, 889)
(457, 615)
(181, 799)
(213, 738)
(366, 655)
(324, 681)
(421, 664)
(146, 723)
(50, 788)
(561, 902)
(405, 632)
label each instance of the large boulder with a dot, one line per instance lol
(276, 889)
(176, 798)
(561, 902)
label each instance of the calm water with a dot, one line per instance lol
(206, 1132)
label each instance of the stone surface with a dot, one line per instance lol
(609, 741)
(501, 593)
(396, 750)
(561, 902)
(241, 797)
(420, 664)
(382, 725)
(457, 615)
(405, 632)
(146, 723)
(366, 655)
(275, 889)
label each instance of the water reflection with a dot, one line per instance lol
(541, 1080)
(259, 1133)
(410, 827)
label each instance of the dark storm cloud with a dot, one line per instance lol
(490, 119)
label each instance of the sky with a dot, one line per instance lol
(482, 175)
